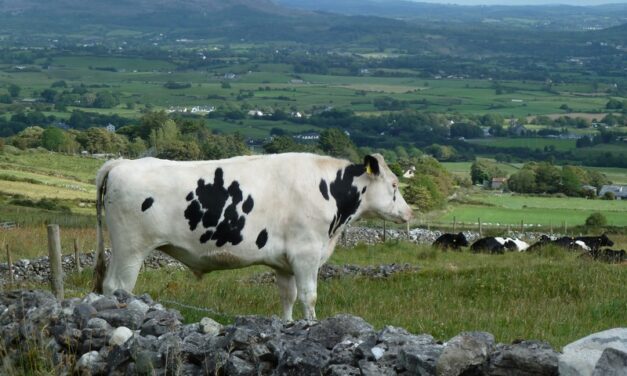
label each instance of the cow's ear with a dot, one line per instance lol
(372, 165)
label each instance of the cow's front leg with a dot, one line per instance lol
(306, 275)
(287, 290)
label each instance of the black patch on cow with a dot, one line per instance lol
(324, 189)
(230, 229)
(248, 205)
(147, 203)
(363, 190)
(262, 238)
(207, 206)
(206, 236)
(346, 195)
(193, 213)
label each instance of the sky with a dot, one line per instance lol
(524, 2)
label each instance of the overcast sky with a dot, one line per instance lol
(524, 2)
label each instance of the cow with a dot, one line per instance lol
(285, 211)
(595, 242)
(541, 243)
(609, 255)
(452, 241)
(493, 245)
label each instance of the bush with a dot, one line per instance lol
(596, 220)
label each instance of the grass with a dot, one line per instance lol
(555, 296)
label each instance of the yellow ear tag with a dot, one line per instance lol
(368, 169)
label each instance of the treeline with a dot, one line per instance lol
(541, 177)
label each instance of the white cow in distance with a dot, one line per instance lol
(285, 211)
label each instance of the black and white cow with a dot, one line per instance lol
(595, 242)
(493, 245)
(285, 211)
(608, 255)
(541, 243)
(451, 241)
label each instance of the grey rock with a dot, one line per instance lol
(342, 370)
(122, 296)
(122, 317)
(524, 358)
(98, 323)
(612, 362)
(419, 358)
(120, 335)
(138, 305)
(210, 326)
(160, 322)
(83, 313)
(466, 353)
(91, 363)
(237, 366)
(368, 368)
(93, 339)
(336, 329)
(344, 353)
(580, 357)
(304, 358)
(105, 303)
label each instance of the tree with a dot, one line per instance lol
(482, 170)
(53, 139)
(524, 181)
(336, 143)
(180, 151)
(283, 144)
(572, 180)
(30, 137)
(614, 104)
(105, 99)
(547, 178)
(14, 90)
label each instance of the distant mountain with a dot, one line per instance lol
(555, 16)
(128, 7)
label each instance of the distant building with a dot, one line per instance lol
(517, 129)
(110, 128)
(497, 183)
(255, 113)
(410, 172)
(620, 191)
(230, 76)
(308, 136)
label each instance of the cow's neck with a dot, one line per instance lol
(347, 190)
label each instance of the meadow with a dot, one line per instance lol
(552, 296)
(140, 81)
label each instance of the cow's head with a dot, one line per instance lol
(460, 240)
(382, 196)
(605, 241)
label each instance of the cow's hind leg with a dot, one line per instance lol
(287, 290)
(124, 265)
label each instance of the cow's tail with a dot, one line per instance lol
(101, 188)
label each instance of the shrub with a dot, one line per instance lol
(596, 220)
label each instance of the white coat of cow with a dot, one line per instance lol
(285, 211)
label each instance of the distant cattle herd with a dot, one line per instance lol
(589, 246)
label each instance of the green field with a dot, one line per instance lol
(511, 209)
(529, 143)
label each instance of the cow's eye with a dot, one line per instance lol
(394, 185)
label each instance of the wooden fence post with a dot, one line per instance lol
(407, 230)
(565, 229)
(522, 226)
(384, 231)
(551, 227)
(9, 263)
(54, 256)
(77, 258)
(479, 227)
(454, 224)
